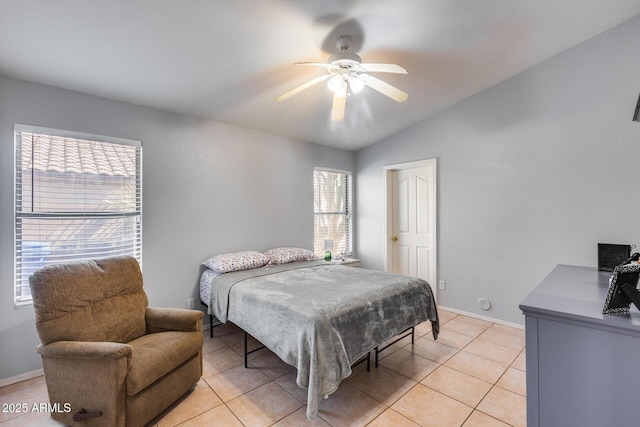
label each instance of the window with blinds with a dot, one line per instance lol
(332, 211)
(76, 198)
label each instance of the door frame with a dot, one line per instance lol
(388, 216)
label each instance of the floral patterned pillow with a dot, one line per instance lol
(286, 255)
(235, 261)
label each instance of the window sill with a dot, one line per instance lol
(22, 304)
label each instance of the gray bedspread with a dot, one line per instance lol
(321, 317)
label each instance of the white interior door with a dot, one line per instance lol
(412, 225)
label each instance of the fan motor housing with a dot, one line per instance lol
(344, 58)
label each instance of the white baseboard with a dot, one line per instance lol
(479, 316)
(22, 377)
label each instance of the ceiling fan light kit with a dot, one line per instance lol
(336, 83)
(356, 85)
(348, 75)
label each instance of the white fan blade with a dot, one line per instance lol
(384, 68)
(339, 102)
(384, 88)
(302, 87)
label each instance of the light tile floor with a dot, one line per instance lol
(472, 376)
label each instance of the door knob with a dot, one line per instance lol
(394, 238)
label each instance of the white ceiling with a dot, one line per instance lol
(228, 60)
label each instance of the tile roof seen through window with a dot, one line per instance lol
(73, 155)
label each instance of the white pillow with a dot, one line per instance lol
(236, 261)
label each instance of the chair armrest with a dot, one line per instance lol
(85, 350)
(173, 319)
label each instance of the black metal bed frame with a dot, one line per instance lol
(377, 349)
(247, 352)
(406, 332)
(211, 324)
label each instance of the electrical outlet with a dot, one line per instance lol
(191, 304)
(443, 285)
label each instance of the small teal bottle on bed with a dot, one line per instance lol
(327, 255)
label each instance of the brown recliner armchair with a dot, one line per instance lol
(109, 360)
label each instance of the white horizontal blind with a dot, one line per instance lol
(332, 215)
(76, 199)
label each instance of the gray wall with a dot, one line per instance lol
(207, 188)
(532, 172)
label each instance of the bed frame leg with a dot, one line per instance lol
(380, 350)
(246, 354)
(365, 358)
(246, 349)
(377, 352)
(211, 325)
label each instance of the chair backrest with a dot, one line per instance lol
(98, 300)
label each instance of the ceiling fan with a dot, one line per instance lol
(347, 74)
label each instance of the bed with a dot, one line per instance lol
(318, 316)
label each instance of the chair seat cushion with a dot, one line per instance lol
(155, 355)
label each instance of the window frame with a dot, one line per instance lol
(348, 208)
(18, 215)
